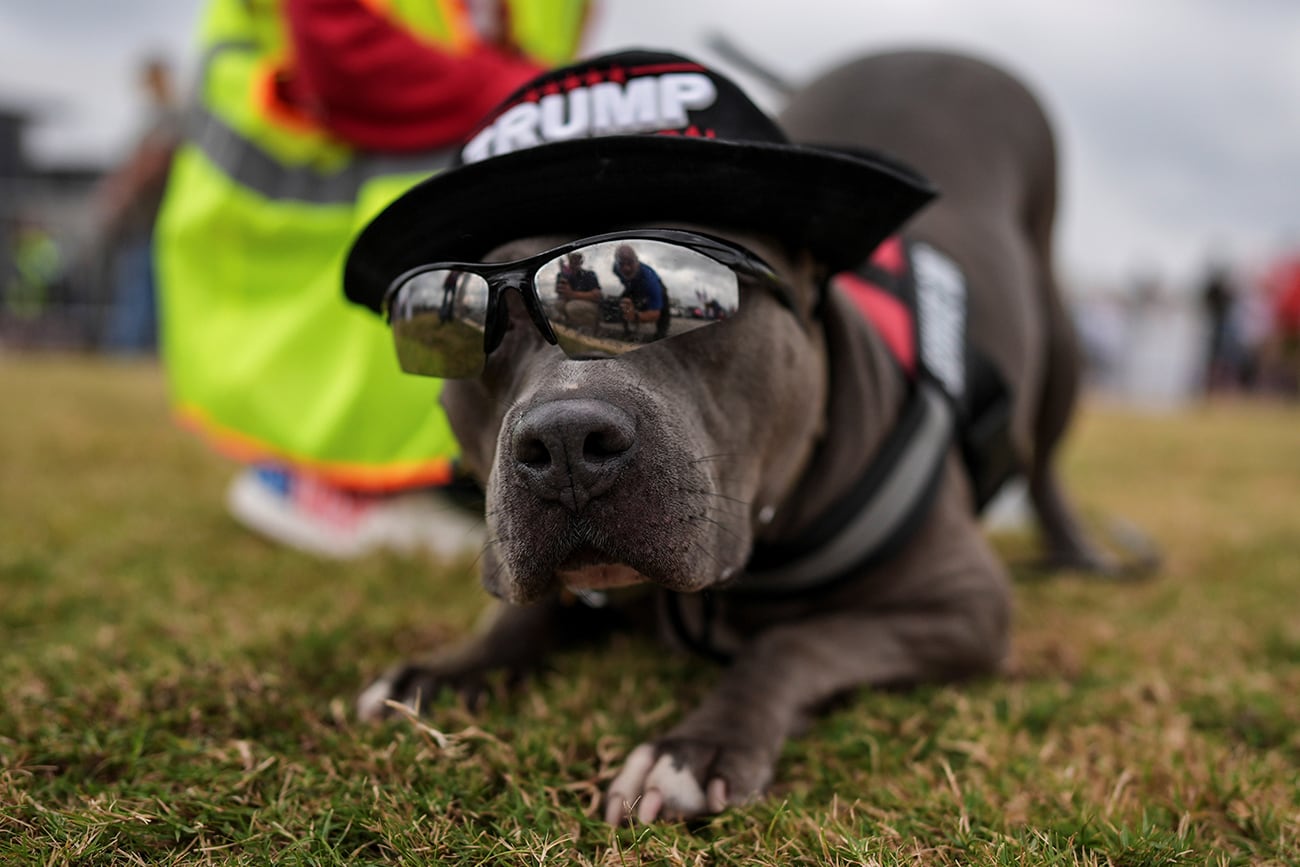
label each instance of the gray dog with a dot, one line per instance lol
(776, 476)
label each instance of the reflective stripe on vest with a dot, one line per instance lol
(251, 166)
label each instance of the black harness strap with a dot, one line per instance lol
(879, 513)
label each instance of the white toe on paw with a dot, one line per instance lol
(648, 808)
(625, 791)
(650, 787)
(681, 792)
(371, 704)
(717, 795)
(632, 777)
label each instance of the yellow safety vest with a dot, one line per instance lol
(264, 356)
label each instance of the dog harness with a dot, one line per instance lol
(915, 297)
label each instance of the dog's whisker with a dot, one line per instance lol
(721, 526)
(696, 545)
(717, 496)
(713, 457)
(477, 562)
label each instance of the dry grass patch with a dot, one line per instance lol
(179, 692)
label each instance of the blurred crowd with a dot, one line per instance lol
(1236, 332)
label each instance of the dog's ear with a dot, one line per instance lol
(804, 274)
(810, 282)
(473, 416)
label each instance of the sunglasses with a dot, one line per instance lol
(625, 290)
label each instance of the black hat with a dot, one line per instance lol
(634, 137)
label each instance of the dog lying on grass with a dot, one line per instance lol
(773, 448)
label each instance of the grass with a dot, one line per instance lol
(176, 691)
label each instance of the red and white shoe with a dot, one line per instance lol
(306, 513)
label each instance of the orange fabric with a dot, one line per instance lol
(356, 477)
(268, 86)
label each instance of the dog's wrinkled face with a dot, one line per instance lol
(654, 465)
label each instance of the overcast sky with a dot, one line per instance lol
(1179, 120)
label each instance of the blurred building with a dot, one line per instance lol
(52, 290)
(12, 170)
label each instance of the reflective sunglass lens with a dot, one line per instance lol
(610, 297)
(438, 318)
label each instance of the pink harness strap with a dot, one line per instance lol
(890, 315)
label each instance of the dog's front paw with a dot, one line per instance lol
(680, 778)
(415, 685)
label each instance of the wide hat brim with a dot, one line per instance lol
(837, 204)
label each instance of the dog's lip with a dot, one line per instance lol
(588, 569)
(603, 577)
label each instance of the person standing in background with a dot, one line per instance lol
(126, 207)
(1218, 299)
(312, 115)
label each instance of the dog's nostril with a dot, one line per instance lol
(601, 445)
(533, 453)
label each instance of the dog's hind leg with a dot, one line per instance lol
(1067, 544)
(1066, 541)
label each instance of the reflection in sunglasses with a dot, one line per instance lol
(595, 299)
(667, 288)
(427, 341)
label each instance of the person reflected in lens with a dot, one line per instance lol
(579, 292)
(449, 288)
(644, 297)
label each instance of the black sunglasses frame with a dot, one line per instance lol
(521, 275)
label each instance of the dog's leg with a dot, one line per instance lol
(1067, 544)
(724, 752)
(515, 642)
(951, 622)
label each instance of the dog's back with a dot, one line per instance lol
(984, 140)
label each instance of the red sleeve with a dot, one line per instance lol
(375, 85)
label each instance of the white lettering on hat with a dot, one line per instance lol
(624, 108)
(554, 126)
(517, 127)
(680, 92)
(655, 102)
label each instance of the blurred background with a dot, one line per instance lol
(1178, 123)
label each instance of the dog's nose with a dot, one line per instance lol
(571, 451)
